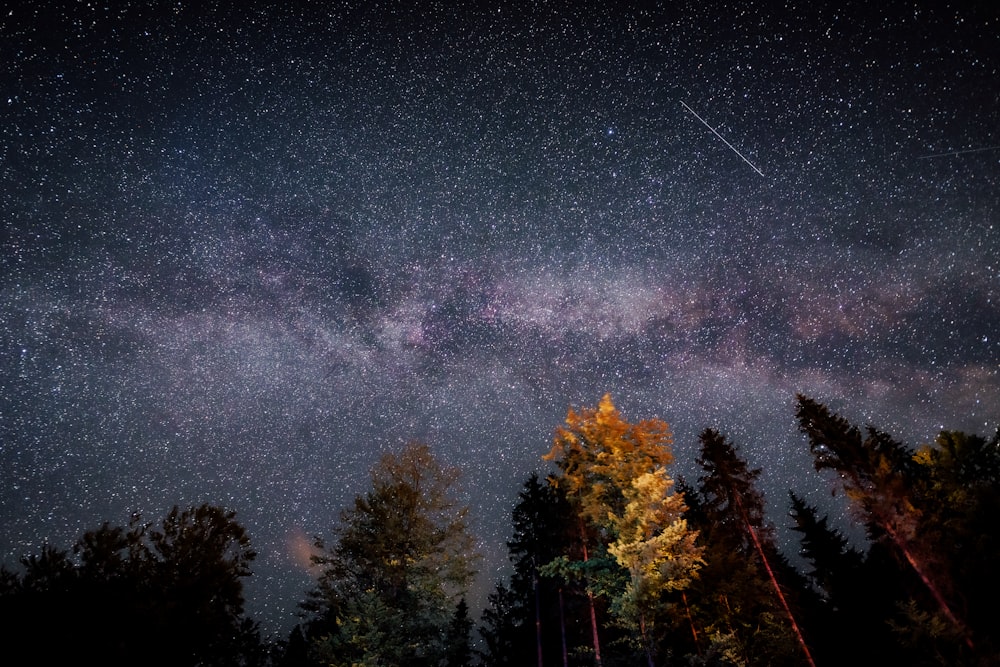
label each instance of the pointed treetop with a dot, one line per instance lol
(606, 406)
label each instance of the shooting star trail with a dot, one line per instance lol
(733, 148)
(962, 152)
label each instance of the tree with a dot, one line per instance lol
(402, 561)
(199, 557)
(857, 591)
(181, 582)
(599, 454)
(835, 563)
(880, 477)
(614, 474)
(957, 495)
(741, 596)
(656, 548)
(503, 631)
(544, 528)
(458, 651)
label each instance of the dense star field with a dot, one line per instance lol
(247, 250)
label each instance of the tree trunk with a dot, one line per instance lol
(938, 597)
(590, 600)
(774, 580)
(694, 631)
(538, 611)
(645, 641)
(562, 630)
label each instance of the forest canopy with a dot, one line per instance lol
(615, 560)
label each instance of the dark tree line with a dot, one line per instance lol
(613, 563)
(169, 594)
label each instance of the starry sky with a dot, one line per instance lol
(248, 249)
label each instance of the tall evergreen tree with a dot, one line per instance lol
(742, 596)
(508, 640)
(857, 590)
(835, 563)
(957, 496)
(458, 647)
(403, 559)
(881, 478)
(543, 529)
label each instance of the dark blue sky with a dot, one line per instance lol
(245, 251)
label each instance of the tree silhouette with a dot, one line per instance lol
(741, 596)
(858, 593)
(880, 477)
(181, 582)
(458, 649)
(544, 528)
(508, 639)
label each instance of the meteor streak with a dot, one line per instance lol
(962, 152)
(733, 148)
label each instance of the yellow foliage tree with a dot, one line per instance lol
(599, 454)
(614, 472)
(655, 546)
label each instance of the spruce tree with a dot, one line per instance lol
(882, 479)
(742, 597)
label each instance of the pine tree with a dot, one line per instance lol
(458, 650)
(880, 477)
(543, 529)
(857, 595)
(507, 640)
(835, 563)
(958, 498)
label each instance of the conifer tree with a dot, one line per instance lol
(880, 477)
(458, 650)
(857, 593)
(957, 496)
(543, 524)
(507, 637)
(403, 559)
(742, 592)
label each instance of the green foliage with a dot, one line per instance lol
(402, 560)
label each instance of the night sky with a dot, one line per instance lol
(247, 251)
